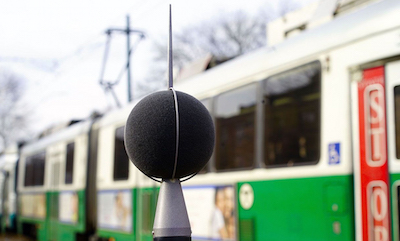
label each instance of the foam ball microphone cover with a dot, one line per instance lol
(150, 135)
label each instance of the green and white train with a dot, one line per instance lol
(307, 148)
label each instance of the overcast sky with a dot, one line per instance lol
(57, 47)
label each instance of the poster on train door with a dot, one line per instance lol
(211, 211)
(68, 203)
(114, 210)
(33, 205)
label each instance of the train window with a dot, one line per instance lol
(121, 160)
(28, 172)
(69, 167)
(235, 128)
(34, 170)
(292, 116)
(397, 118)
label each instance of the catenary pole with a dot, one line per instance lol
(127, 31)
(128, 63)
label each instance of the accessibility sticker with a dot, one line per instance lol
(334, 153)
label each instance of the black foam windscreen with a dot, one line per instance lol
(150, 135)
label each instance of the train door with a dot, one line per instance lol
(53, 198)
(392, 76)
(375, 94)
(147, 202)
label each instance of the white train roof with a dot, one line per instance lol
(62, 135)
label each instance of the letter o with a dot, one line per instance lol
(379, 194)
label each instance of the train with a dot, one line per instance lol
(307, 148)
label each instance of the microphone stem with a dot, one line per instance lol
(171, 221)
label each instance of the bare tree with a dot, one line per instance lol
(225, 37)
(13, 121)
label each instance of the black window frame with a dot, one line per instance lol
(316, 65)
(121, 159)
(246, 114)
(35, 170)
(69, 163)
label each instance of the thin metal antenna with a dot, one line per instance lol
(170, 86)
(170, 56)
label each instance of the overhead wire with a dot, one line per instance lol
(124, 68)
(109, 85)
(105, 58)
(89, 47)
(91, 44)
(141, 9)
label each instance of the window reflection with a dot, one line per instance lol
(121, 159)
(69, 168)
(34, 170)
(292, 116)
(235, 122)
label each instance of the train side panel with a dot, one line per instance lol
(52, 184)
(126, 199)
(289, 209)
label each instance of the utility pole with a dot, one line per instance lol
(128, 31)
(128, 63)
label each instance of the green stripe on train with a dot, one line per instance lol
(304, 209)
(64, 231)
(119, 235)
(40, 225)
(143, 210)
(51, 228)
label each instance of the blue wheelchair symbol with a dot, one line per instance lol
(334, 153)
